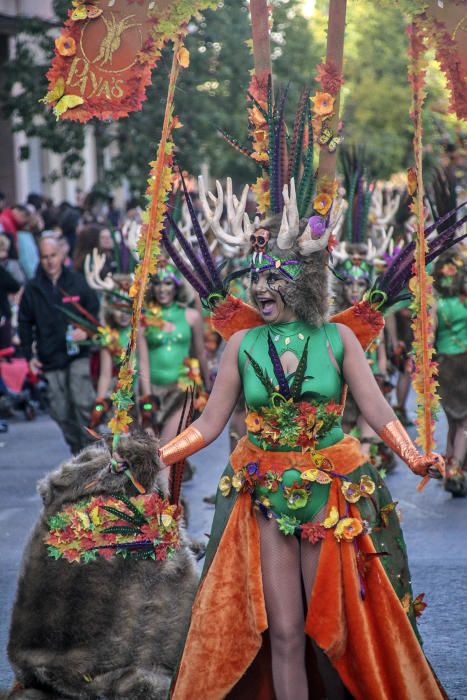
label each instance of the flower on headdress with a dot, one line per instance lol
(317, 226)
(347, 529)
(257, 117)
(329, 76)
(323, 104)
(254, 422)
(65, 45)
(449, 269)
(260, 136)
(261, 191)
(412, 181)
(322, 203)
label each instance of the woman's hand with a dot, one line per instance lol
(431, 465)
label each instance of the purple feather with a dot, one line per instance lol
(284, 388)
(190, 253)
(184, 269)
(203, 246)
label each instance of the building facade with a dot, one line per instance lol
(20, 177)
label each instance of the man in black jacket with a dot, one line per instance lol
(64, 364)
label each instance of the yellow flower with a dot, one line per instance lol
(323, 103)
(351, 491)
(261, 191)
(322, 203)
(120, 422)
(332, 518)
(225, 485)
(237, 482)
(65, 45)
(254, 423)
(347, 529)
(367, 485)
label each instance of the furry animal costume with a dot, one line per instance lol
(108, 628)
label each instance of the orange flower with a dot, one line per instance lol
(419, 605)
(65, 45)
(256, 117)
(322, 203)
(261, 191)
(323, 103)
(412, 181)
(254, 422)
(347, 529)
(260, 137)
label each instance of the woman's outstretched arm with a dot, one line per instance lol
(376, 410)
(218, 409)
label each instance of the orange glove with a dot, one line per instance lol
(396, 437)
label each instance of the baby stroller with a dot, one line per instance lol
(20, 389)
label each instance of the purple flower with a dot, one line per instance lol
(252, 468)
(317, 225)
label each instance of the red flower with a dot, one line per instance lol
(313, 532)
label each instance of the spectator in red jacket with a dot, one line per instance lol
(11, 221)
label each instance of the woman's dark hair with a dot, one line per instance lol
(86, 241)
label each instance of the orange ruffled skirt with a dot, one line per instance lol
(370, 642)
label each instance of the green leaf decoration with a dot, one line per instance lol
(54, 552)
(262, 376)
(288, 524)
(89, 555)
(296, 388)
(58, 521)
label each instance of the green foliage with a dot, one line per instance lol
(212, 92)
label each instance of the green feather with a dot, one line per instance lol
(139, 515)
(123, 516)
(263, 378)
(296, 387)
(121, 530)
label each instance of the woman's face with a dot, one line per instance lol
(165, 291)
(267, 292)
(121, 318)
(355, 289)
(106, 243)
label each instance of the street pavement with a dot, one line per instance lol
(434, 526)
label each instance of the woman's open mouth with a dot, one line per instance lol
(266, 305)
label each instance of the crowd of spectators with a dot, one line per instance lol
(42, 252)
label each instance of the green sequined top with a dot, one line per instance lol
(321, 376)
(168, 349)
(294, 497)
(451, 333)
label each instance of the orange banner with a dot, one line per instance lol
(106, 53)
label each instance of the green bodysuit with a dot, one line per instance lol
(451, 334)
(167, 350)
(321, 377)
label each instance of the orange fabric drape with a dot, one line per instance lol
(371, 643)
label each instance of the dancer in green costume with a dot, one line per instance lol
(451, 347)
(171, 351)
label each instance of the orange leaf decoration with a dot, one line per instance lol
(183, 57)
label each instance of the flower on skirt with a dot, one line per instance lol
(353, 492)
(347, 529)
(254, 422)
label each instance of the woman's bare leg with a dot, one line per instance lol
(335, 689)
(460, 441)
(282, 585)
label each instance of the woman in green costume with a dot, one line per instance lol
(297, 490)
(171, 352)
(451, 348)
